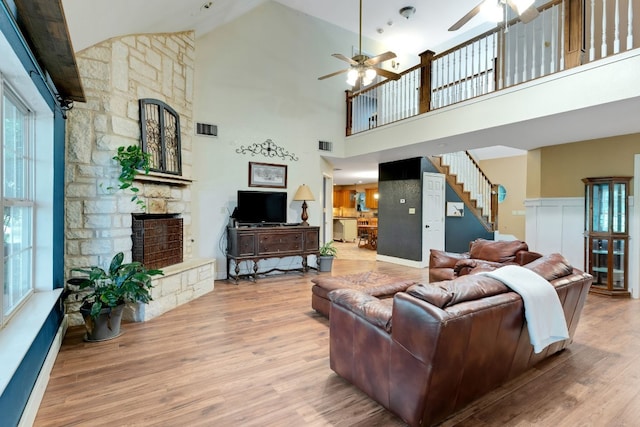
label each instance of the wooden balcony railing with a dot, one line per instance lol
(513, 53)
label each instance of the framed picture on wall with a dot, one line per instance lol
(455, 209)
(267, 175)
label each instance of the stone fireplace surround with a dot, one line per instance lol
(116, 73)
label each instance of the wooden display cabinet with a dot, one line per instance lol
(607, 234)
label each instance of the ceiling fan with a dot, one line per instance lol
(363, 68)
(525, 9)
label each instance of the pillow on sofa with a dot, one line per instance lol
(496, 250)
(432, 293)
(551, 266)
(472, 287)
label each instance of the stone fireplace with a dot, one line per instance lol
(116, 74)
(157, 239)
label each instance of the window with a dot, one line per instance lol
(17, 201)
(160, 129)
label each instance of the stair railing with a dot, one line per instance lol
(508, 55)
(481, 191)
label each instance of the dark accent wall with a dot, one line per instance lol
(14, 398)
(400, 233)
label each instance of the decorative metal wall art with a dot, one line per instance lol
(267, 149)
(160, 129)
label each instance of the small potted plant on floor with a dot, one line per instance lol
(327, 253)
(108, 292)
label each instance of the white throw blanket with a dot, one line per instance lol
(542, 308)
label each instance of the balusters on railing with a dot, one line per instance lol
(496, 60)
(630, 25)
(592, 31)
(603, 46)
(468, 173)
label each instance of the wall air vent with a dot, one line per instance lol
(325, 146)
(206, 129)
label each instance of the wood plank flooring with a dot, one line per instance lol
(256, 354)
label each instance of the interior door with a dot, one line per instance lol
(433, 209)
(327, 209)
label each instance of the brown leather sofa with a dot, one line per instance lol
(483, 255)
(436, 348)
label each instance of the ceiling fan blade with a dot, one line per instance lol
(380, 58)
(344, 58)
(466, 18)
(388, 74)
(333, 74)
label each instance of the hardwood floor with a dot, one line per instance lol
(255, 354)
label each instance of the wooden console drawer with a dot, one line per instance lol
(282, 242)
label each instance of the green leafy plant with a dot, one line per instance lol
(130, 282)
(328, 249)
(132, 160)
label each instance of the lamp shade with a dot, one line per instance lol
(303, 193)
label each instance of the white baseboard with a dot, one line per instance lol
(401, 261)
(33, 404)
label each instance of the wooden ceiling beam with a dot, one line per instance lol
(45, 28)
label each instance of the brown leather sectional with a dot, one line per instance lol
(483, 255)
(433, 349)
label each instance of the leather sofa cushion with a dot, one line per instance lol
(376, 311)
(431, 293)
(496, 250)
(461, 289)
(551, 267)
(472, 287)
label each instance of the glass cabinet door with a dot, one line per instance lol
(606, 234)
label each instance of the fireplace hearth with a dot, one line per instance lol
(157, 239)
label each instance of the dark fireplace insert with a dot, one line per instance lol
(157, 239)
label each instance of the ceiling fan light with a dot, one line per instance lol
(370, 74)
(352, 77)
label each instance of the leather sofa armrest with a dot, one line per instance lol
(525, 257)
(364, 305)
(442, 259)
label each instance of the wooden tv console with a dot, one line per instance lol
(254, 243)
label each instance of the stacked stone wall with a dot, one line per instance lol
(116, 74)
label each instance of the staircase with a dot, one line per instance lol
(465, 177)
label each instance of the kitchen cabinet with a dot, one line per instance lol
(343, 198)
(607, 234)
(371, 198)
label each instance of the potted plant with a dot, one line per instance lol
(132, 160)
(327, 253)
(108, 292)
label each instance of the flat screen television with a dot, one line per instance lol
(261, 207)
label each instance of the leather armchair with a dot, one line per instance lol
(483, 255)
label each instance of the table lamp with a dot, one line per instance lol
(303, 194)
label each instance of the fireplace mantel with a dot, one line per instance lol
(163, 178)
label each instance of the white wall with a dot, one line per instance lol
(256, 79)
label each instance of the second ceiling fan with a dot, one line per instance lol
(525, 9)
(363, 68)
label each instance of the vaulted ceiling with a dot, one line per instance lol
(425, 29)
